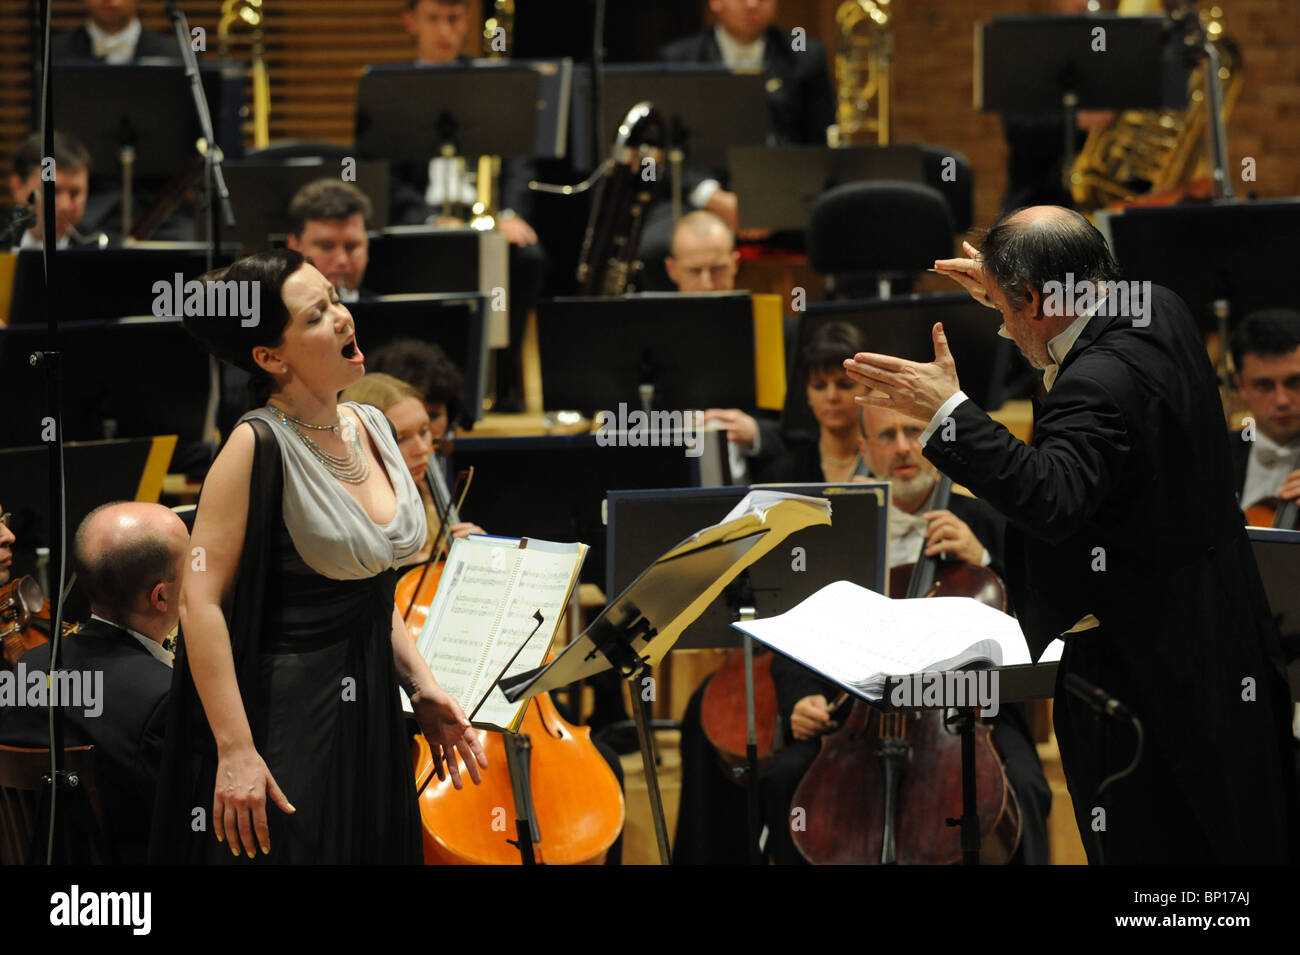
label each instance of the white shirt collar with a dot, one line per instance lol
(1059, 346)
(28, 242)
(117, 48)
(153, 646)
(735, 53)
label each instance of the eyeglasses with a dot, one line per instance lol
(6, 517)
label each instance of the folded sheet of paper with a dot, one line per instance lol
(858, 637)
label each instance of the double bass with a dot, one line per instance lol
(546, 784)
(884, 784)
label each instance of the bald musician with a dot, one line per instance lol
(128, 557)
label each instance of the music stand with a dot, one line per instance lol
(97, 472)
(777, 185)
(480, 108)
(708, 108)
(455, 323)
(104, 393)
(644, 524)
(1042, 64)
(101, 284)
(691, 351)
(262, 189)
(901, 326)
(149, 107)
(640, 626)
(1277, 553)
(573, 474)
(1225, 259)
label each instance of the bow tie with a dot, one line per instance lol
(1272, 457)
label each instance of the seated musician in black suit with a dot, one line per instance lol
(800, 103)
(1266, 453)
(71, 189)
(112, 33)
(128, 557)
(711, 820)
(438, 28)
(328, 220)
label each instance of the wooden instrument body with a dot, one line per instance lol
(722, 712)
(844, 794)
(846, 782)
(576, 798)
(24, 618)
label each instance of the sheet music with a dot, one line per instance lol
(484, 609)
(858, 636)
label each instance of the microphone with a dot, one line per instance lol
(1097, 698)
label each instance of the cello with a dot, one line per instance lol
(546, 783)
(883, 785)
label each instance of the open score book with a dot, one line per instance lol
(484, 613)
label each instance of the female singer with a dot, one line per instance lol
(403, 405)
(291, 640)
(835, 455)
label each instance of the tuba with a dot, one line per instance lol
(862, 74)
(1160, 153)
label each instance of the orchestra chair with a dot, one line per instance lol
(954, 180)
(24, 810)
(871, 238)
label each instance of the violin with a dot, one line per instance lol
(25, 618)
(884, 784)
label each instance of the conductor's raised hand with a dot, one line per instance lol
(913, 388)
(239, 801)
(444, 725)
(968, 273)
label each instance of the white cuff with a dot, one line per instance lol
(945, 411)
(986, 558)
(702, 193)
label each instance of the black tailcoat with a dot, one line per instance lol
(1123, 506)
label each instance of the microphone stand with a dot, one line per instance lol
(214, 180)
(49, 359)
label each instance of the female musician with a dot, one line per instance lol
(291, 640)
(834, 456)
(402, 404)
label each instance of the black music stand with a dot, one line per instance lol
(1225, 259)
(643, 524)
(708, 108)
(104, 394)
(669, 350)
(480, 108)
(97, 472)
(902, 326)
(261, 189)
(1277, 552)
(640, 626)
(455, 323)
(100, 284)
(1042, 64)
(148, 107)
(776, 186)
(572, 473)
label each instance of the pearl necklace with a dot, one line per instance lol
(352, 467)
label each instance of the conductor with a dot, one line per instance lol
(1123, 537)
